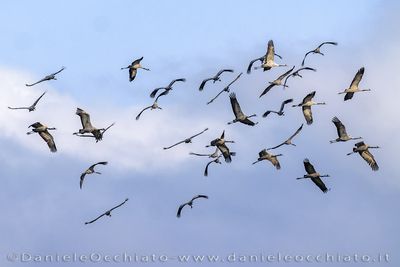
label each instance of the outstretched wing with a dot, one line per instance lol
(287, 101)
(48, 138)
(252, 62)
(204, 83)
(200, 196)
(85, 118)
(357, 78)
(132, 74)
(266, 113)
(304, 59)
(137, 61)
(82, 179)
(275, 147)
(275, 162)
(266, 90)
(235, 105)
(308, 97)
(341, 129)
(307, 114)
(296, 133)
(140, 113)
(168, 147)
(176, 80)
(305, 68)
(99, 163)
(308, 166)
(37, 100)
(154, 92)
(206, 129)
(318, 182)
(119, 205)
(35, 125)
(57, 72)
(270, 52)
(19, 108)
(369, 158)
(92, 221)
(223, 134)
(285, 74)
(324, 43)
(222, 71)
(178, 214)
(208, 164)
(200, 155)
(348, 96)
(225, 152)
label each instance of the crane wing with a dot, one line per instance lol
(37, 100)
(85, 118)
(307, 114)
(48, 138)
(225, 152)
(357, 78)
(369, 158)
(308, 97)
(270, 52)
(287, 101)
(308, 166)
(235, 105)
(140, 113)
(318, 182)
(252, 62)
(341, 129)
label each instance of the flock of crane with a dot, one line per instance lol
(267, 62)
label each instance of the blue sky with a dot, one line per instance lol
(251, 209)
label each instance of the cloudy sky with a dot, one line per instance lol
(251, 209)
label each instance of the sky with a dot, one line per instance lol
(252, 209)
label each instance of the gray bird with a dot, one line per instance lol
(226, 89)
(280, 112)
(277, 81)
(216, 160)
(190, 204)
(341, 131)
(237, 111)
(187, 140)
(87, 126)
(317, 50)
(153, 106)
(133, 68)
(363, 149)
(264, 155)
(306, 106)
(220, 143)
(90, 170)
(261, 59)
(48, 77)
(353, 88)
(314, 176)
(166, 89)
(296, 73)
(31, 107)
(107, 213)
(215, 78)
(43, 131)
(213, 155)
(268, 60)
(289, 140)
